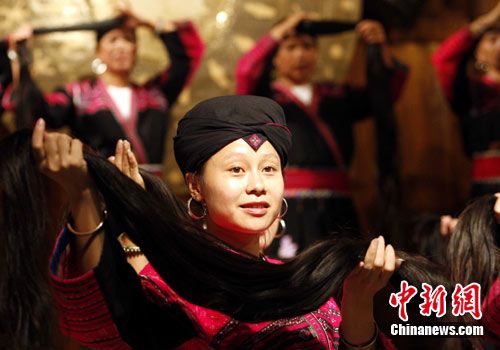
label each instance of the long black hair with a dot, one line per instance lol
(473, 253)
(205, 272)
(202, 270)
(27, 97)
(26, 317)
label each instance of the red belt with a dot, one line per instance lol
(486, 167)
(308, 179)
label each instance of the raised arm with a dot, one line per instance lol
(60, 157)
(185, 49)
(100, 297)
(253, 70)
(450, 54)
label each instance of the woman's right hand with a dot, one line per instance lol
(287, 27)
(25, 32)
(60, 158)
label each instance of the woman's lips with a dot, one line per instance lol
(255, 208)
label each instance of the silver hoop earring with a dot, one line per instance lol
(98, 66)
(281, 229)
(192, 214)
(282, 215)
(481, 66)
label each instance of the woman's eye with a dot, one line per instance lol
(236, 170)
(269, 169)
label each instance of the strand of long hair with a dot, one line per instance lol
(195, 265)
(27, 97)
(26, 312)
(473, 253)
(204, 272)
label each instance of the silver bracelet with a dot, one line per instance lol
(131, 249)
(365, 346)
(88, 233)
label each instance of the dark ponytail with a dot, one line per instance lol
(26, 312)
(27, 97)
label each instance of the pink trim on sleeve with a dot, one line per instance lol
(448, 56)
(250, 66)
(194, 48)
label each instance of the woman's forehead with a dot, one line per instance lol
(298, 38)
(119, 32)
(240, 148)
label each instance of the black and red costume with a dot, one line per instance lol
(93, 117)
(476, 101)
(316, 180)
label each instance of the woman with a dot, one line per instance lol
(468, 68)
(321, 117)
(103, 110)
(215, 289)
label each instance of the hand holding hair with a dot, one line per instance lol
(359, 288)
(25, 32)
(287, 27)
(125, 160)
(133, 20)
(60, 158)
(371, 32)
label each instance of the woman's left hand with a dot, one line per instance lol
(124, 159)
(133, 20)
(371, 275)
(373, 272)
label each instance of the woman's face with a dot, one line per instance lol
(242, 188)
(295, 59)
(117, 49)
(488, 49)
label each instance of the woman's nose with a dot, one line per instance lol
(256, 183)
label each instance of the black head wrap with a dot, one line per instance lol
(105, 26)
(100, 27)
(214, 123)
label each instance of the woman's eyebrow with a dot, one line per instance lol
(232, 155)
(270, 155)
